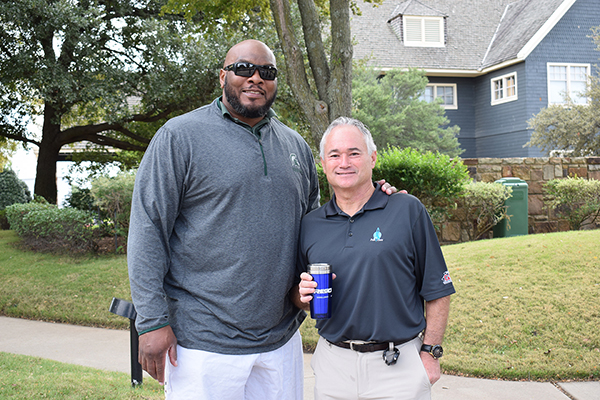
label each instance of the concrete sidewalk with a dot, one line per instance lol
(108, 349)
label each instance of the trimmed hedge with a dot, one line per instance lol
(45, 227)
(436, 179)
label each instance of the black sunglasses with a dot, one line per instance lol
(266, 72)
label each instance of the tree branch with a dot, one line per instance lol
(19, 138)
(108, 141)
(79, 133)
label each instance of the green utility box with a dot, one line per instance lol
(517, 210)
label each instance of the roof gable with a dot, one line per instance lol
(479, 34)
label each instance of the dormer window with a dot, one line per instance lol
(423, 31)
(418, 25)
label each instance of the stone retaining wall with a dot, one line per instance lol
(536, 172)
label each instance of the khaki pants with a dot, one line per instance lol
(344, 374)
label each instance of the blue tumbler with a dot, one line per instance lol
(320, 305)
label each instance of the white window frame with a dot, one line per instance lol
(506, 97)
(426, 23)
(454, 105)
(568, 73)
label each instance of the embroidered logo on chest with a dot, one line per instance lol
(295, 163)
(377, 236)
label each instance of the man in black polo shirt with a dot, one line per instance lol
(384, 252)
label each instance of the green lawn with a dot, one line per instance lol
(35, 378)
(526, 307)
(76, 290)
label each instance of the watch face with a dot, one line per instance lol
(437, 351)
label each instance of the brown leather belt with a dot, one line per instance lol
(363, 347)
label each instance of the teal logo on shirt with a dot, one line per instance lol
(377, 236)
(295, 163)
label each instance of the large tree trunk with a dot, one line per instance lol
(340, 84)
(45, 178)
(316, 110)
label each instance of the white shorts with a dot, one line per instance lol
(344, 374)
(276, 375)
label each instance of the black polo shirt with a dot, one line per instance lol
(387, 260)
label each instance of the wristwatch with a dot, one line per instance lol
(436, 350)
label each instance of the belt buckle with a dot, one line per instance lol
(352, 343)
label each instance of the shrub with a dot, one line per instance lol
(436, 179)
(483, 205)
(80, 198)
(16, 212)
(323, 185)
(4, 225)
(12, 189)
(45, 227)
(113, 196)
(575, 199)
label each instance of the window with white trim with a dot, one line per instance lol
(444, 91)
(567, 80)
(423, 31)
(504, 88)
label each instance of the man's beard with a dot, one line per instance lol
(234, 102)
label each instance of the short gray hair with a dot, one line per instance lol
(350, 122)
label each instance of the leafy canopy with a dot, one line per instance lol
(391, 107)
(98, 71)
(100, 62)
(572, 127)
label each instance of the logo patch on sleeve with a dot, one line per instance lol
(446, 278)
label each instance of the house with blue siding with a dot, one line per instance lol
(494, 63)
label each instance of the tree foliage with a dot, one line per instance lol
(390, 106)
(571, 127)
(7, 150)
(96, 72)
(315, 40)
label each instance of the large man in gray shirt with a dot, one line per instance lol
(216, 210)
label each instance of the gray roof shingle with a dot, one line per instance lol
(480, 33)
(415, 7)
(520, 22)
